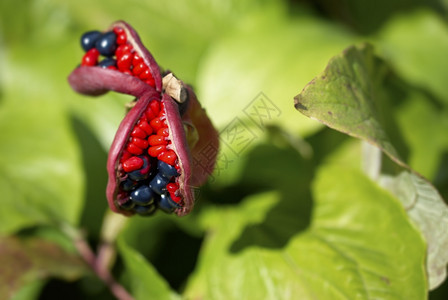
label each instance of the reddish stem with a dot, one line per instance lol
(100, 270)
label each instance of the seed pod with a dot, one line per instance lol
(150, 163)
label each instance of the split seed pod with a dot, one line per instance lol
(156, 158)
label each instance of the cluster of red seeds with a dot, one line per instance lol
(150, 135)
(126, 59)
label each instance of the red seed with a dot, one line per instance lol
(175, 198)
(134, 149)
(139, 68)
(156, 124)
(112, 67)
(155, 140)
(90, 58)
(168, 156)
(132, 164)
(145, 75)
(171, 187)
(118, 30)
(122, 49)
(136, 59)
(154, 151)
(142, 124)
(162, 110)
(124, 62)
(125, 155)
(151, 82)
(121, 35)
(149, 114)
(155, 106)
(138, 132)
(140, 143)
(163, 132)
(121, 38)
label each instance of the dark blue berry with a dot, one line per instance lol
(128, 184)
(127, 205)
(166, 170)
(145, 210)
(167, 198)
(143, 173)
(106, 44)
(142, 195)
(164, 204)
(137, 175)
(158, 183)
(107, 62)
(167, 204)
(89, 39)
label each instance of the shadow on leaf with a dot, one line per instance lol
(94, 164)
(283, 170)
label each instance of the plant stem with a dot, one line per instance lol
(112, 225)
(97, 263)
(371, 160)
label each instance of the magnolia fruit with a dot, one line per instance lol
(157, 156)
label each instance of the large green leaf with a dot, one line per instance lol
(41, 176)
(146, 283)
(426, 208)
(41, 179)
(344, 254)
(344, 96)
(353, 96)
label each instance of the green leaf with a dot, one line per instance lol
(29, 291)
(416, 45)
(146, 283)
(25, 260)
(427, 209)
(41, 178)
(352, 96)
(344, 254)
(40, 165)
(343, 97)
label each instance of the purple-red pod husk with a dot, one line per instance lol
(205, 151)
(141, 50)
(96, 81)
(178, 142)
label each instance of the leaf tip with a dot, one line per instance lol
(298, 104)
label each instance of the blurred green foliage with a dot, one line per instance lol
(287, 215)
